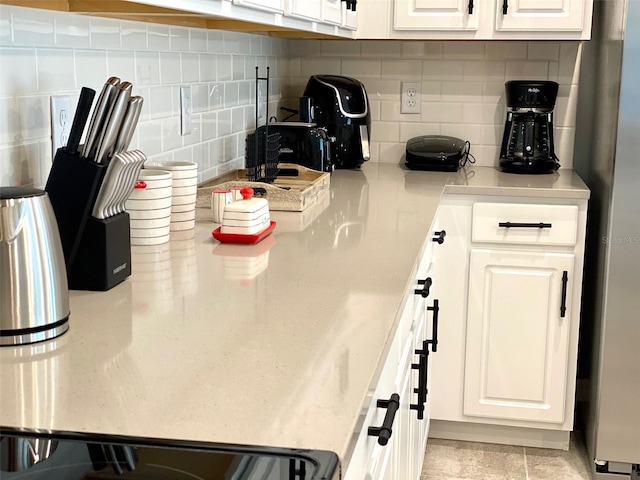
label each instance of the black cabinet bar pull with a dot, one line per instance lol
(563, 303)
(384, 432)
(505, 7)
(426, 285)
(434, 341)
(419, 406)
(523, 225)
(470, 7)
(439, 238)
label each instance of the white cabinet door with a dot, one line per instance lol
(309, 9)
(541, 15)
(269, 5)
(332, 12)
(349, 17)
(517, 340)
(436, 14)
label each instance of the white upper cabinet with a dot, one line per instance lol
(309, 9)
(350, 17)
(541, 15)
(332, 11)
(268, 5)
(475, 19)
(435, 15)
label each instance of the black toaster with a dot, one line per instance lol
(303, 144)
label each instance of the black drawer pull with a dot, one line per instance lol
(505, 7)
(523, 225)
(439, 238)
(422, 383)
(563, 304)
(470, 7)
(426, 285)
(434, 341)
(384, 432)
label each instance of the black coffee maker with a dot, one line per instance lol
(340, 104)
(527, 143)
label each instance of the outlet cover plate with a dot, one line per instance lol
(61, 118)
(185, 110)
(411, 97)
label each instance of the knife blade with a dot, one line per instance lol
(129, 124)
(80, 119)
(112, 126)
(100, 111)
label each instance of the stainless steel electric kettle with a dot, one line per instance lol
(34, 295)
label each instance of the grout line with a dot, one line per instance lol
(526, 470)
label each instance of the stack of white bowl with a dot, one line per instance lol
(185, 189)
(149, 208)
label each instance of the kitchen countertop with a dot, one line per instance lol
(274, 344)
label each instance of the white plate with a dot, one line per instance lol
(149, 232)
(150, 241)
(186, 225)
(149, 214)
(150, 222)
(183, 216)
(146, 204)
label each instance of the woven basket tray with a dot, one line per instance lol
(288, 193)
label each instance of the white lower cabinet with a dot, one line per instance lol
(510, 279)
(406, 374)
(517, 341)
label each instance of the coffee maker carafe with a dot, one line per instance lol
(527, 143)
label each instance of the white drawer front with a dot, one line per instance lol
(524, 224)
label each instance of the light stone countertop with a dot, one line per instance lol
(273, 344)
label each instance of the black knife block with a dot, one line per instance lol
(97, 252)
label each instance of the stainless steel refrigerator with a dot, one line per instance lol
(608, 158)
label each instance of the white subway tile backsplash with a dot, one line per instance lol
(72, 31)
(466, 92)
(543, 51)
(360, 68)
(385, 131)
(33, 27)
(411, 130)
(381, 49)
(104, 33)
(464, 50)
(55, 70)
(442, 70)
(529, 70)
(401, 69)
(169, 68)
(506, 50)
(158, 38)
(484, 70)
(197, 40)
(190, 66)
(238, 67)
(435, 112)
(134, 35)
(18, 67)
(462, 85)
(121, 64)
(224, 67)
(224, 123)
(147, 68)
(179, 39)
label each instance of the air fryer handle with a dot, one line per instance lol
(364, 142)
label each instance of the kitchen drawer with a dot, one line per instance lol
(524, 224)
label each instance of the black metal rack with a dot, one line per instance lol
(262, 149)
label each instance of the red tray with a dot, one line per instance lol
(241, 238)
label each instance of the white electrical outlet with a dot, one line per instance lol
(185, 110)
(410, 97)
(61, 118)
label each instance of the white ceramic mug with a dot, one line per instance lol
(219, 198)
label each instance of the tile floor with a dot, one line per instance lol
(454, 460)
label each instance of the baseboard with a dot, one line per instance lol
(476, 432)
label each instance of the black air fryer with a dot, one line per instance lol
(527, 143)
(340, 104)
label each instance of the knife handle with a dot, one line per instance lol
(80, 118)
(129, 124)
(100, 113)
(112, 126)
